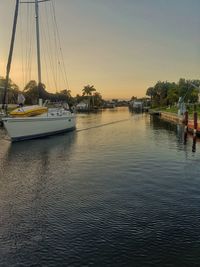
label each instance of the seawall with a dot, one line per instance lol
(171, 117)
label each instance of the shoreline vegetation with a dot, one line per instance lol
(164, 96)
(174, 110)
(88, 100)
(171, 101)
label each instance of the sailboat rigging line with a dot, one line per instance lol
(45, 54)
(33, 2)
(101, 125)
(36, 2)
(48, 49)
(29, 55)
(56, 47)
(57, 63)
(4, 105)
(22, 50)
(27, 40)
(59, 40)
(38, 43)
(31, 49)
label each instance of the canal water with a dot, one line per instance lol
(123, 190)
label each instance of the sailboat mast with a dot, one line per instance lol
(38, 41)
(4, 104)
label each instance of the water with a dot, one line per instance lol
(123, 190)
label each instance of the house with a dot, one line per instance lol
(136, 105)
(83, 106)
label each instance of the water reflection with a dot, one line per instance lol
(159, 124)
(35, 157)
(110, 192)
(177, 130)
(185, 137)
(4, 148)
(194, 144)
(59, 143)
(30, 180)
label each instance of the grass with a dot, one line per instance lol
(174, 110)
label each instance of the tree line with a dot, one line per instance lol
(32, 92)
(168, 93)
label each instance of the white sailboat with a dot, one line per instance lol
(45, 121)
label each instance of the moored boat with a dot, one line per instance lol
(34, 121)
(53, 122)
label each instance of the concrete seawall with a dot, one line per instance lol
(171, 117)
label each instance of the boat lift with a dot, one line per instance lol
(181, 103)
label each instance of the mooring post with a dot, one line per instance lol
(186, 126)
(194, 144)
(186, 121)
(195, 123)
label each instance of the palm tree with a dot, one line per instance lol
(66, 92)
(87, 91)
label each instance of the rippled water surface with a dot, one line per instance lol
(123, 190)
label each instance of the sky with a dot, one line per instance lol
(122, 47)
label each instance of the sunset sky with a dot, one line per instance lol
(122, 47)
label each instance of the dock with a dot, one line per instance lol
(154, 112)
(174, 118)
(171, 117)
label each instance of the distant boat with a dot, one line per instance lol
(136, 105)
(83, 106)
(34, 121)
(109, 104)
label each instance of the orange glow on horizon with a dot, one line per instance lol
(128, 47)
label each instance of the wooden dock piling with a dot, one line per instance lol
(195, 123)
(186, 121)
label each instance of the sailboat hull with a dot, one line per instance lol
(35, 127)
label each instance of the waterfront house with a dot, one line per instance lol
(83, 106)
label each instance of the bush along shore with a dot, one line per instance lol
(177, 102)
